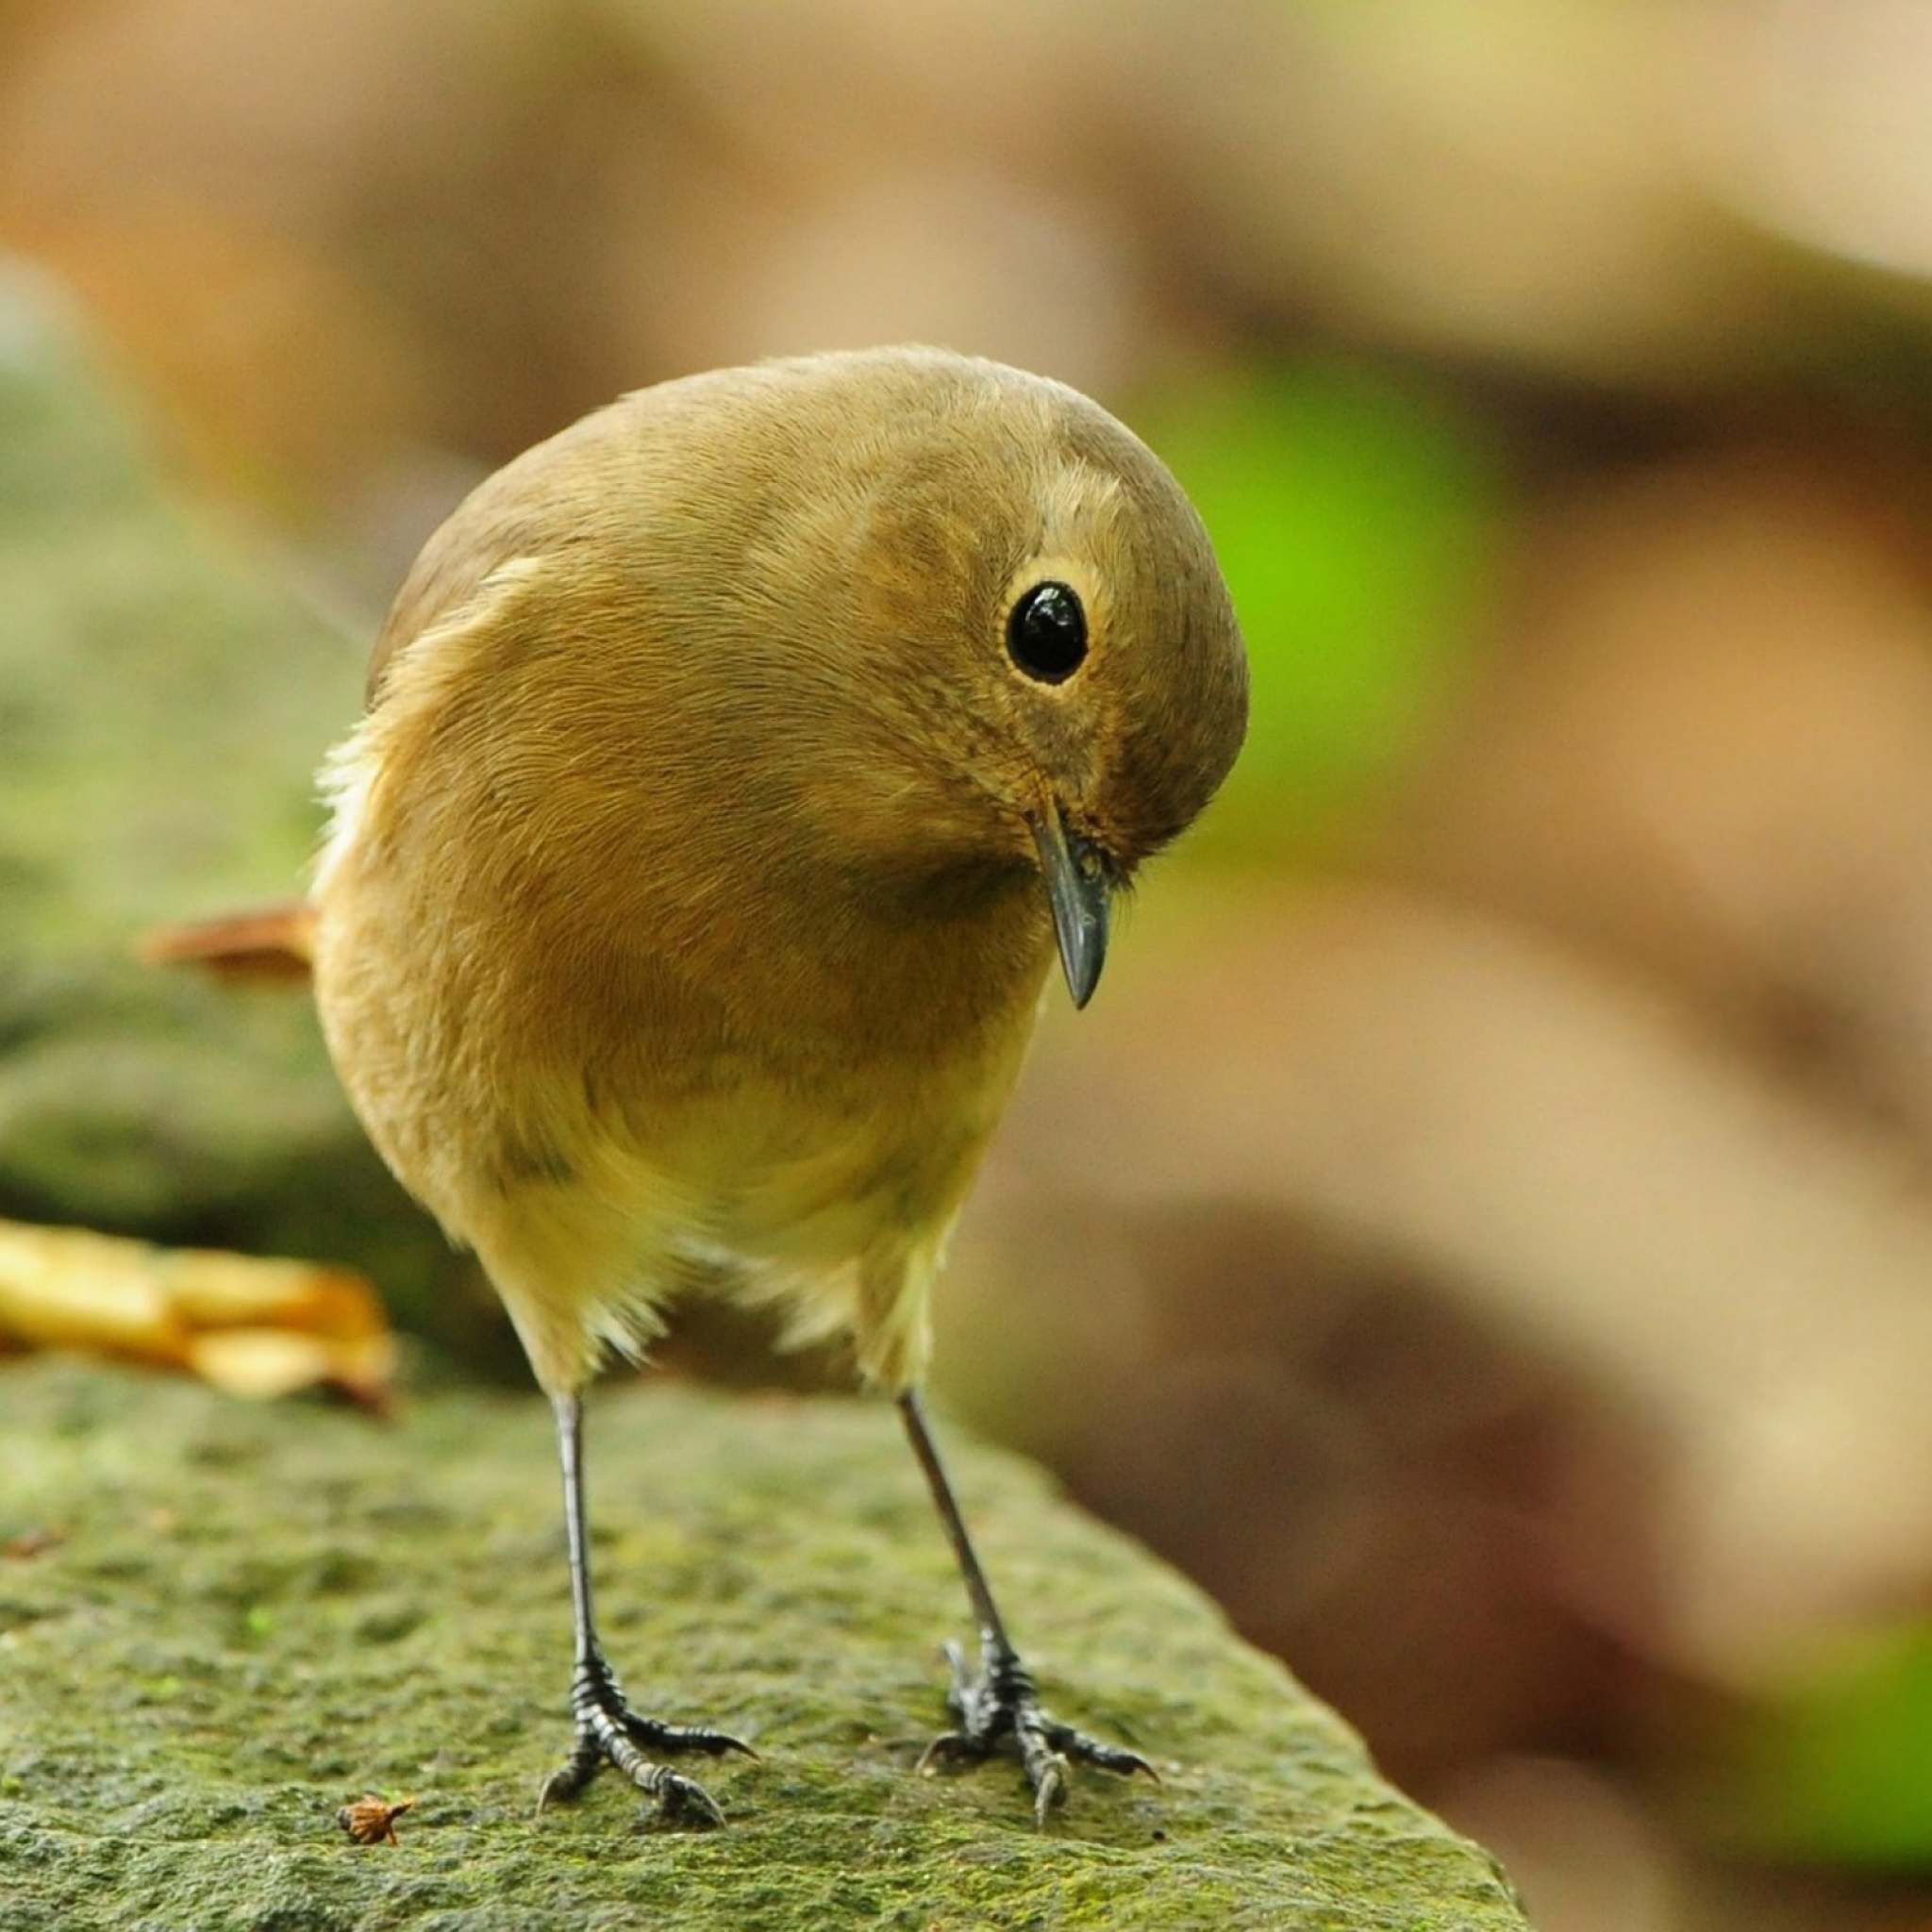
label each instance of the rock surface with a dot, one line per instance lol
(165, 699)
(221, 1623)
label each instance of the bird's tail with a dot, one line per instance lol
(268, 942)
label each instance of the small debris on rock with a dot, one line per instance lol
(373, 1821)
(31, 1542)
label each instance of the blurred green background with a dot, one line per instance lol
(1495, 1176)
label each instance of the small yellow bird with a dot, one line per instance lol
(737, 762)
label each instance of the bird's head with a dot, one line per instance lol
(1065, 655)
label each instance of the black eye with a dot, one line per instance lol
(1046, 635)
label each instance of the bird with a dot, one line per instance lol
(737, 765)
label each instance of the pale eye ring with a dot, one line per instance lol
(1046, 632)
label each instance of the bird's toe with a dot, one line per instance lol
(997, 1701)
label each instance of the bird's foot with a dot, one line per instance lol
(998, 1701)
(609, 1732)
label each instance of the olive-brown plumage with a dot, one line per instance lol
(736, 764)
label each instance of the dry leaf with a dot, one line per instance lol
(252, 1326)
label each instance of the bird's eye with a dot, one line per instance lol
(1046, 634)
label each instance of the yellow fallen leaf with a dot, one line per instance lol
(68, 1288)
(256, 1327)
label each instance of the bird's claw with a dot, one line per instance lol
(998, 1700)
(609, 1732)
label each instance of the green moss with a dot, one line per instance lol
(256, 1615)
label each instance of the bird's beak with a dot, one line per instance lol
(1080, 886)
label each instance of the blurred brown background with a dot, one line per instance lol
(1482, 1231)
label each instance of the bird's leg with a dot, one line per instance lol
(998, 1700)
(608, 1731)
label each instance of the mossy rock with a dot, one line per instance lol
(219, 1623)
(165, 699)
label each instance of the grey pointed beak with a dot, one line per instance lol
(1080, 880)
